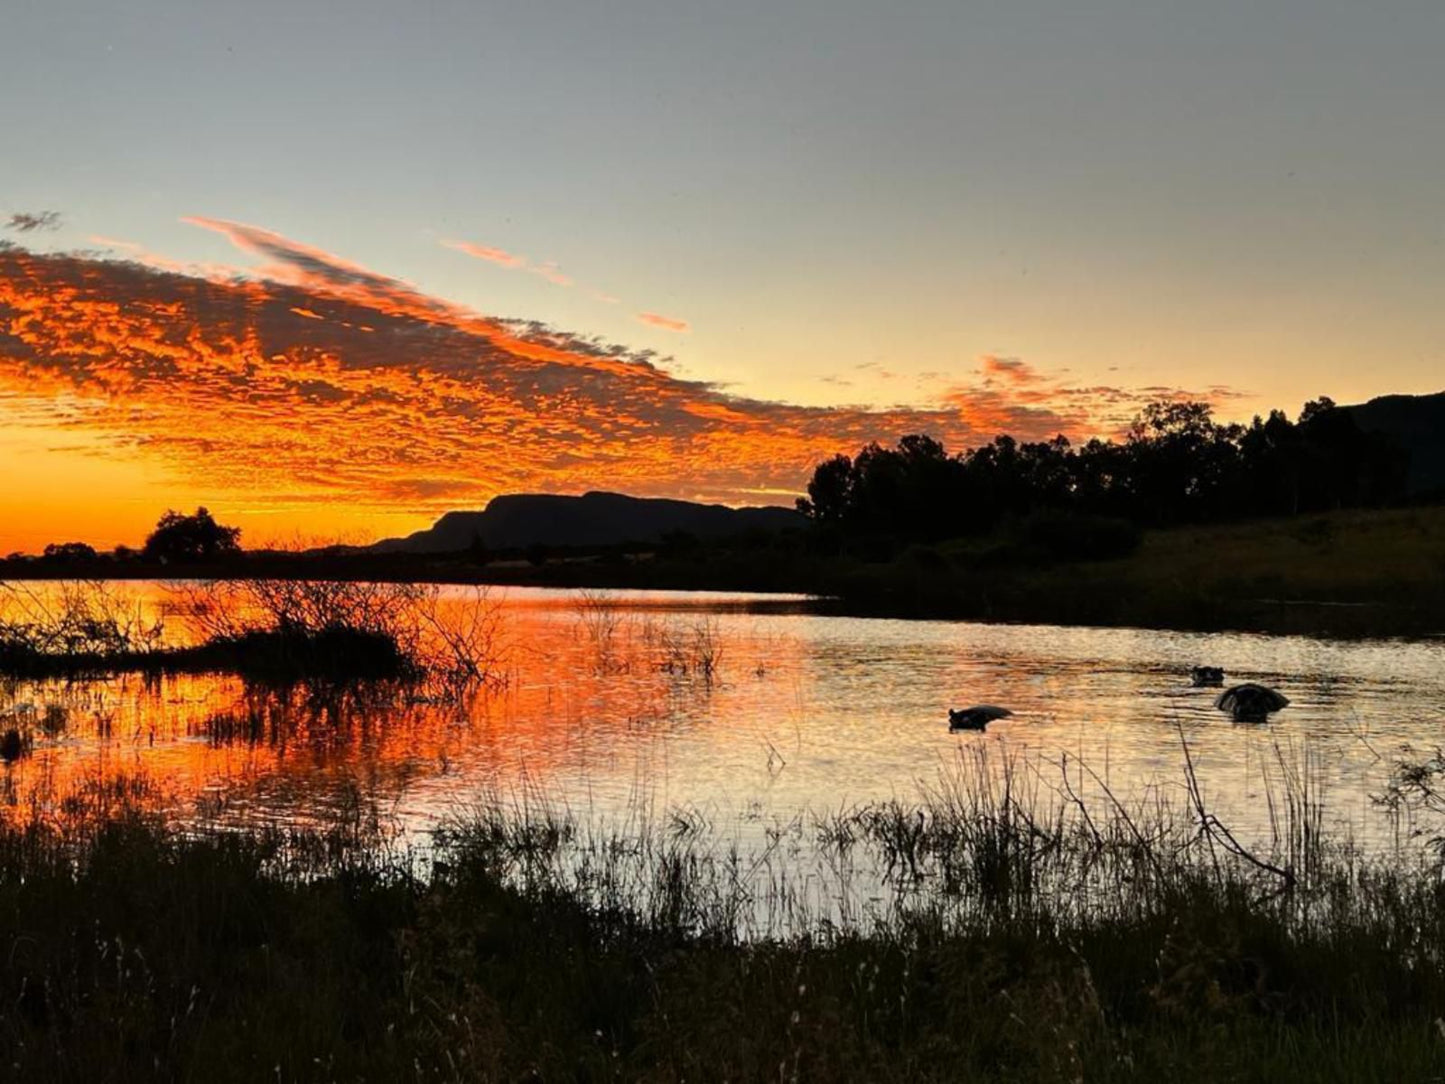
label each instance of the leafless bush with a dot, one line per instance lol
(75, 617)
(460, 642)
(455, 644)
(230, 608)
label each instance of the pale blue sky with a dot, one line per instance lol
(1188, 194)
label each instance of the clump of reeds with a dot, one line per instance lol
(603, 623)
(291, 629)
(85, 622)
(275, 631)
(998, 838)
(693, 649)
(673, 646)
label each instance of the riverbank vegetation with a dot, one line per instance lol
(1277, 526)
(1360, 573)
(1363, 572)
(1176, 465)
(266, 630)
(1016, 933)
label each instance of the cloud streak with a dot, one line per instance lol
(667, 323)
(549, 271)
(498, 256)
(1012, 370)
(502, 258)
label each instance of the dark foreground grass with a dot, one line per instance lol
(128, 951)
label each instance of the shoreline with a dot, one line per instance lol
(904, 599)
(1347, 575)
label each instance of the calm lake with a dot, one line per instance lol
(605, 709)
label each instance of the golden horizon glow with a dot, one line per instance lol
(319, 399)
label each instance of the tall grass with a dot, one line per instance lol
(998, 837)
(1032, 927)
(621, 641)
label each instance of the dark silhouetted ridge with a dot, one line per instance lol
(520, 520)
(1415, 423)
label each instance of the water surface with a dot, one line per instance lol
(606, 704)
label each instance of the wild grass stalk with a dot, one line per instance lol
(624, 644)
(1030, 926)
(74, 619)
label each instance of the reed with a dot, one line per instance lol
(269, 631)
(1027, 924)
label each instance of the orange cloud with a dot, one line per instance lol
(396, 399)
(113, 242)
(140, 254)
(1013, 370)
(551, 272)
(666, 322)
(1031, 400)
(483, 252)
(548, 270)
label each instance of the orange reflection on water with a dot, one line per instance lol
(605, 705)
(577, 682)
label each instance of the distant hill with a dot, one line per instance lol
(593, 519)
(1417, 424)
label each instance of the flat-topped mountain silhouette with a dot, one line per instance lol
(519, 520)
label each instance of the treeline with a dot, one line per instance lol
(177, 539)
(1176, 466)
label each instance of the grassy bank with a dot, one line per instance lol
(1020, 944)
(338, 653)
(1378, 573)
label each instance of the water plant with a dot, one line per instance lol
(274, 631)
(1037, 929)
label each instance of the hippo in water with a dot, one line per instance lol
(976, 717)
(1206, 677)
(1250, 703)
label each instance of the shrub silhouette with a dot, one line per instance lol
(69, 551)
(197, 537)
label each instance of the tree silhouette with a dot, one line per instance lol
(69, 551)
(1176, 465)
(180, 538)
(830, 493)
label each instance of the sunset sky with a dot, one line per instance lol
(332, 270)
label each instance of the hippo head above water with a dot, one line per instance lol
(976, 717)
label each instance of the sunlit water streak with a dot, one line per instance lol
(605, 712)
